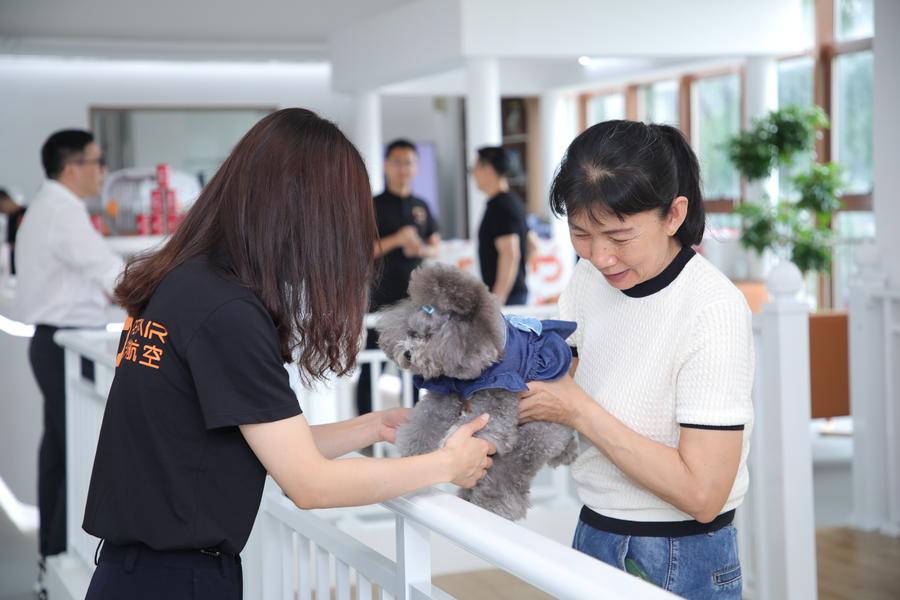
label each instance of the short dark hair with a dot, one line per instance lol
(4, 194)
(496, 158)
(401, 144)
(627, 167)
(62, 147)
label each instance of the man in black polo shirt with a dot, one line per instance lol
(408, 233)
(503, 235)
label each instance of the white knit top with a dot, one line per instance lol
(680, 356)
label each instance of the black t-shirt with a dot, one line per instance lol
(392, 213)
(172, 469)
(504, 215)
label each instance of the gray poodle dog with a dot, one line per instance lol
(451, 334)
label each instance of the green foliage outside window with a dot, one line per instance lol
(800, 230)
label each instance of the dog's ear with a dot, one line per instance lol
(390, 323)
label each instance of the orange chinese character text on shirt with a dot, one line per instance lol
(152, 356)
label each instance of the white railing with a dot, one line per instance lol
(85, 403)
(776, 527)
(874, 330)
(293, 552)
(299, 552)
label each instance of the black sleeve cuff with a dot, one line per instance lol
(713, 427)
(251, 418)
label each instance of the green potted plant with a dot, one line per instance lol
(796, 229)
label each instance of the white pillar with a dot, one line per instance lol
(367, 136)
(867, 392)
(886, 134)
(557, 132)
(483, 124)
(782, 454)
(761, 95)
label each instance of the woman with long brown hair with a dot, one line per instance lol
(271, 266)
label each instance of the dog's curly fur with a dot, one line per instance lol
(460, 338)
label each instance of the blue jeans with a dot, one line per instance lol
(695, 567)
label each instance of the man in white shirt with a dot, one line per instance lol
(65, 276)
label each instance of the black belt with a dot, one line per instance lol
(129, 555)
(654, 528)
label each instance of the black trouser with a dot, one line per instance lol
(136, 572)
(517, 298)
(48, 365)
(364, 386)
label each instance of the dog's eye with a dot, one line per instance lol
(412, 334)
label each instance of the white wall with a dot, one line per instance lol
(437, 120)
(43, 95)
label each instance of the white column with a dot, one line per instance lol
(483, 124)
(367, 136)
(782, 469)
(761, 95)
(557, 132)
(867, 392)
(886, 134)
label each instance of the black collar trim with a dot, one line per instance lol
(668, 275)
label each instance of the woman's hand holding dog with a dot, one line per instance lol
(557, 401)
(388, 422)
(468, 456)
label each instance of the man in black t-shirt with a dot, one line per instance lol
(14, 214)
(503, 236)
(408, 233)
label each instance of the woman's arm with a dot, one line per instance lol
(696, 477)
(288, 451)
(508, 255)
(337, 439)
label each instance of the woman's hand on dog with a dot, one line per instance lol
(555, 401)
(388, 422)
(469, 456)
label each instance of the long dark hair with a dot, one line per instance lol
(627, 167)
(290, 213)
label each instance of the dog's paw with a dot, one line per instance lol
(567, 456)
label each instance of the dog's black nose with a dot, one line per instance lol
(407, 355)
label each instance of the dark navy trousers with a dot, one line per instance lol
(136, 572)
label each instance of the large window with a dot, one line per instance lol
(658, 102)
(795, 88)
(605, 108)
(836, 73)
(854, 19)
(852, 115)
(716, 116)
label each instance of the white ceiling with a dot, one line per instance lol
(283, 28)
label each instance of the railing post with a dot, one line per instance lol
(270, 552)
(413, 558)
(783, 472)
(867, 393)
